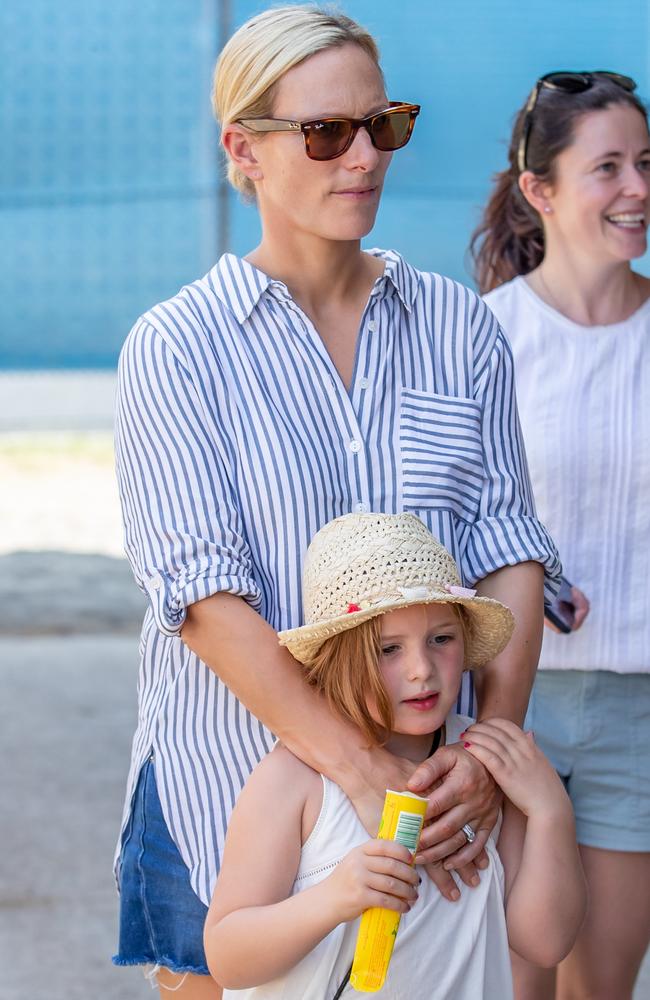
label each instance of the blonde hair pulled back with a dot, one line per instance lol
(258, 55)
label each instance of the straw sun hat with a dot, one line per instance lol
(362, 565)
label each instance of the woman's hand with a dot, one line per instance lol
(518, 766)
(378, 873)
(381, 770)
(581, 605)
(459, 792)
(580, 610)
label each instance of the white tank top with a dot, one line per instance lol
(443, 950)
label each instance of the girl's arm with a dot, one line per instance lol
(256, 930)
(545, 886)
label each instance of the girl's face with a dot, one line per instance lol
(421, 664)
(334, 199)
(599, 198)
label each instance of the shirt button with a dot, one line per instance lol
(364, 383)
(355, 446)
(156, 582)
(372, 326)
(361, 508)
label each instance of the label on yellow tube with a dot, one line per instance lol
(401, 820)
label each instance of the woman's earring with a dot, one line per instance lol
(548, 209)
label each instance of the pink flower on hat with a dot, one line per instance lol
(352, 608)
(459, 591)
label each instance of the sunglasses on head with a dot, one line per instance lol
(327, 138)
(568, 83)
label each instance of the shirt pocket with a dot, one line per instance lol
(442, 453)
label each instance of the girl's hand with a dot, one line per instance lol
(518, 766)
(377, 873)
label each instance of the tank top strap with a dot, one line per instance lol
(336, 831)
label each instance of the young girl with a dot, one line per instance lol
(389, 631)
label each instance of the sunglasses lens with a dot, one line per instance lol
(391, 130)
(576, 83)
(626, 82)
(570, 83)
(328, 139)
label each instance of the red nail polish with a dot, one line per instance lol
(467, 745)
(463, 733)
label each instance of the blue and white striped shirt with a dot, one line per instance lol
(236, 441)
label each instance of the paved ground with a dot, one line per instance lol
(68, 663)
(66, 719)
(68, 649)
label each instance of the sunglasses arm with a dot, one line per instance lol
(269, 125)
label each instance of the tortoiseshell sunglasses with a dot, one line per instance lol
(569, 83)
(327, 138)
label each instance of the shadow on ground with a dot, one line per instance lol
(67, 593)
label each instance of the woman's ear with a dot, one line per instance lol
(240, 145)
(536, 192)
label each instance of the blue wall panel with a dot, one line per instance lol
(109, 171)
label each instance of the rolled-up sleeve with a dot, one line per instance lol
(507, 530)
(183, 531)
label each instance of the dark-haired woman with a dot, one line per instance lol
(553, 253)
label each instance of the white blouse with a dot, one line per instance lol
(584, 403)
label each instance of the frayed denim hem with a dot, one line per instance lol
(164, 963)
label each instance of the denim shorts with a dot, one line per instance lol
(161, 917)
(594, 725)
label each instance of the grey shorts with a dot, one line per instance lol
(595, 728)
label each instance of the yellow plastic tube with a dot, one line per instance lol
(401, 820)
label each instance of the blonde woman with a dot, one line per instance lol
(306, 380)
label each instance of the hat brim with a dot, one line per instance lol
(491, 625)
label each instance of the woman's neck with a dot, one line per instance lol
(318, 272)
(586, 293)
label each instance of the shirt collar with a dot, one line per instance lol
(402, 276)
(240, 286)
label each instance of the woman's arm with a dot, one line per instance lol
(243, 650)
(545, 885)
(503, 686)
(256, 930)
